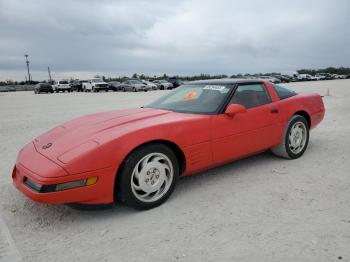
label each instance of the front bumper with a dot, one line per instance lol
(32, 166)
(102, 87)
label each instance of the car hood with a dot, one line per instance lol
(86, 130)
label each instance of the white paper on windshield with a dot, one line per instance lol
(221, 89)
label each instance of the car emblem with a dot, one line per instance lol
(48, 145)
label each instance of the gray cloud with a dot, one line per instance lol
(175, 37)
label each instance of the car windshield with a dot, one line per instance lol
(96, 80)
(202, 99)
(63, 82)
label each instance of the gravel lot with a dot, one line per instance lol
(258, 209)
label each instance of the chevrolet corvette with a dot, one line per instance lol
(135, 156)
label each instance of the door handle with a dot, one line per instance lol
(274, 110)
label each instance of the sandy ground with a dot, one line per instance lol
(258, 209)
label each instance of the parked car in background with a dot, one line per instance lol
(134, 85)
(95, 85)
(114, 86)
(150, 84)
(43, 88)
(283, 78)
(62, 86)
(271, 79)
(320, 77)
(163, 84)
(340, 76)
(326, 76)
(304, 77)
(175, 81)
(77, 85)
(7, 89)
(3, 89)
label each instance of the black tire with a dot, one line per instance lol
(124, 192)
(123, 89)
(134, 89)
(284, 149)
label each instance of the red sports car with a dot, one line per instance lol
(135, 156)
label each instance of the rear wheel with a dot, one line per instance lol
(295, 139)
(147, 177)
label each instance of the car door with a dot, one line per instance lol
(245, 133)
(126, 85)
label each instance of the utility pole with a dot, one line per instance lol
(27, 62)
(48, 70)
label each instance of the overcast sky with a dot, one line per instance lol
(82, 38)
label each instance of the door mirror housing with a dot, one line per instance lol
(234, 109)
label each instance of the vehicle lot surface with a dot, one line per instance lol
(257, 209)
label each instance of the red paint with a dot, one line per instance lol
(96, 145)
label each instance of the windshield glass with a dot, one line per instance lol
(204, 99)
(96, 80)
(63, 82)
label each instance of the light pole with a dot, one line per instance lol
(27, 62)
(48, 70)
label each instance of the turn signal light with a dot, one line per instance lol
(91, 181)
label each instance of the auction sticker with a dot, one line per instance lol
(221, 89)
(190, 95)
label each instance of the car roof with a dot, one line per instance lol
(225, 81)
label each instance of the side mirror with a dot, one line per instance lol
(234, 109)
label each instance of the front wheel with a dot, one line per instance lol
(147, 177)
(295, 139)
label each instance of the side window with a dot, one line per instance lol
(251, 95)
(283, 92)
